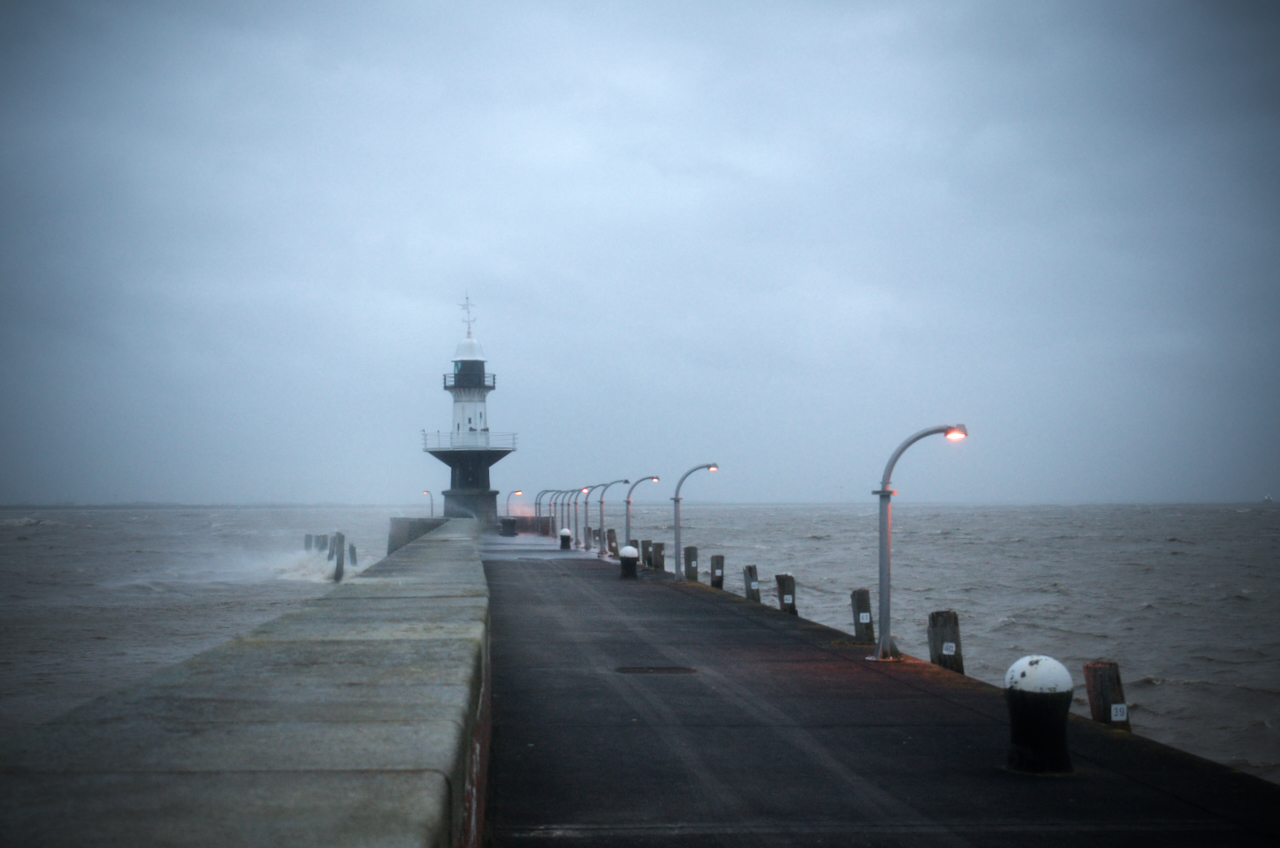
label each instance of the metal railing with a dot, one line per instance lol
(468, 440)
(470, 381)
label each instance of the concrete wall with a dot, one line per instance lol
(360, 719)
(405, 530)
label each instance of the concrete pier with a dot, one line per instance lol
(498, 688)
(359, 720)
(629, 713)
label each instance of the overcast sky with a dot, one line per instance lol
(777, 236)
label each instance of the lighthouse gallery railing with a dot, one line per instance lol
(470, 440)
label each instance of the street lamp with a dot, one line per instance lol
(577, 493)
(711, 466)
(554, 507)
(509, 494)
(953, 432)
(537, 509)
(629, 491)
(603, 550)
(433, 502)
(562, 502)
(586, 513)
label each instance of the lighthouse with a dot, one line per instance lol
(469, 447)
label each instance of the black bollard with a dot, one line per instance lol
(944, 640)
(566, 539)
(864, 629)
(659, 556)
(351, 551)
(646, 552)
(628, 556)
(691, 563)
(1106, 695)
(717, 571)
(751, 583)
(308, 541)
(786, 593)
(1038, 692)
(339, 554)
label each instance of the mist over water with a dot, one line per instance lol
(1183, 597)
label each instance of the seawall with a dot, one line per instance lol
(361, 718)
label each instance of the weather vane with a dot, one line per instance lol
(466, 304)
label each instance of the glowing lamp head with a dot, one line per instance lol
(957, 433)
(518, 492)
(584, 491)
(713, 468)
(654, 479)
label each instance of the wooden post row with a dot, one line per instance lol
(717, 571)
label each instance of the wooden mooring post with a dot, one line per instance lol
(339, 553)
(611, 539)
(944, 640)
(691, 563)
(1106, 695)
(751, 583)
(864, 629)
(646, 553)
(351, 552)
(786, 593)
(658, 552)
(308, 541)
(717, 571)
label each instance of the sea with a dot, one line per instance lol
(1186, 598)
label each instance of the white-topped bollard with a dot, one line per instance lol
(1038, 691)
(566, 539)
(629, 556)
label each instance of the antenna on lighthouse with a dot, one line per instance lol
(466, 304)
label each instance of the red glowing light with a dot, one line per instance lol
(956, 434)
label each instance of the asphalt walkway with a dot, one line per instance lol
(656, 713)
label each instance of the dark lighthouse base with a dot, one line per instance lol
(481, 504)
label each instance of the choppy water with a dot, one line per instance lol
(95, 599)
(1184, 597)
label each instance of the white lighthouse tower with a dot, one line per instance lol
(470, 447)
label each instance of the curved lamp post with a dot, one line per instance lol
(586, 513)
(629, 491)
(557, 509)
(955, 433)
(603, 547)
(585, 490)
(537, 509)
(710, 466)
(509, 494)
(433, 502)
